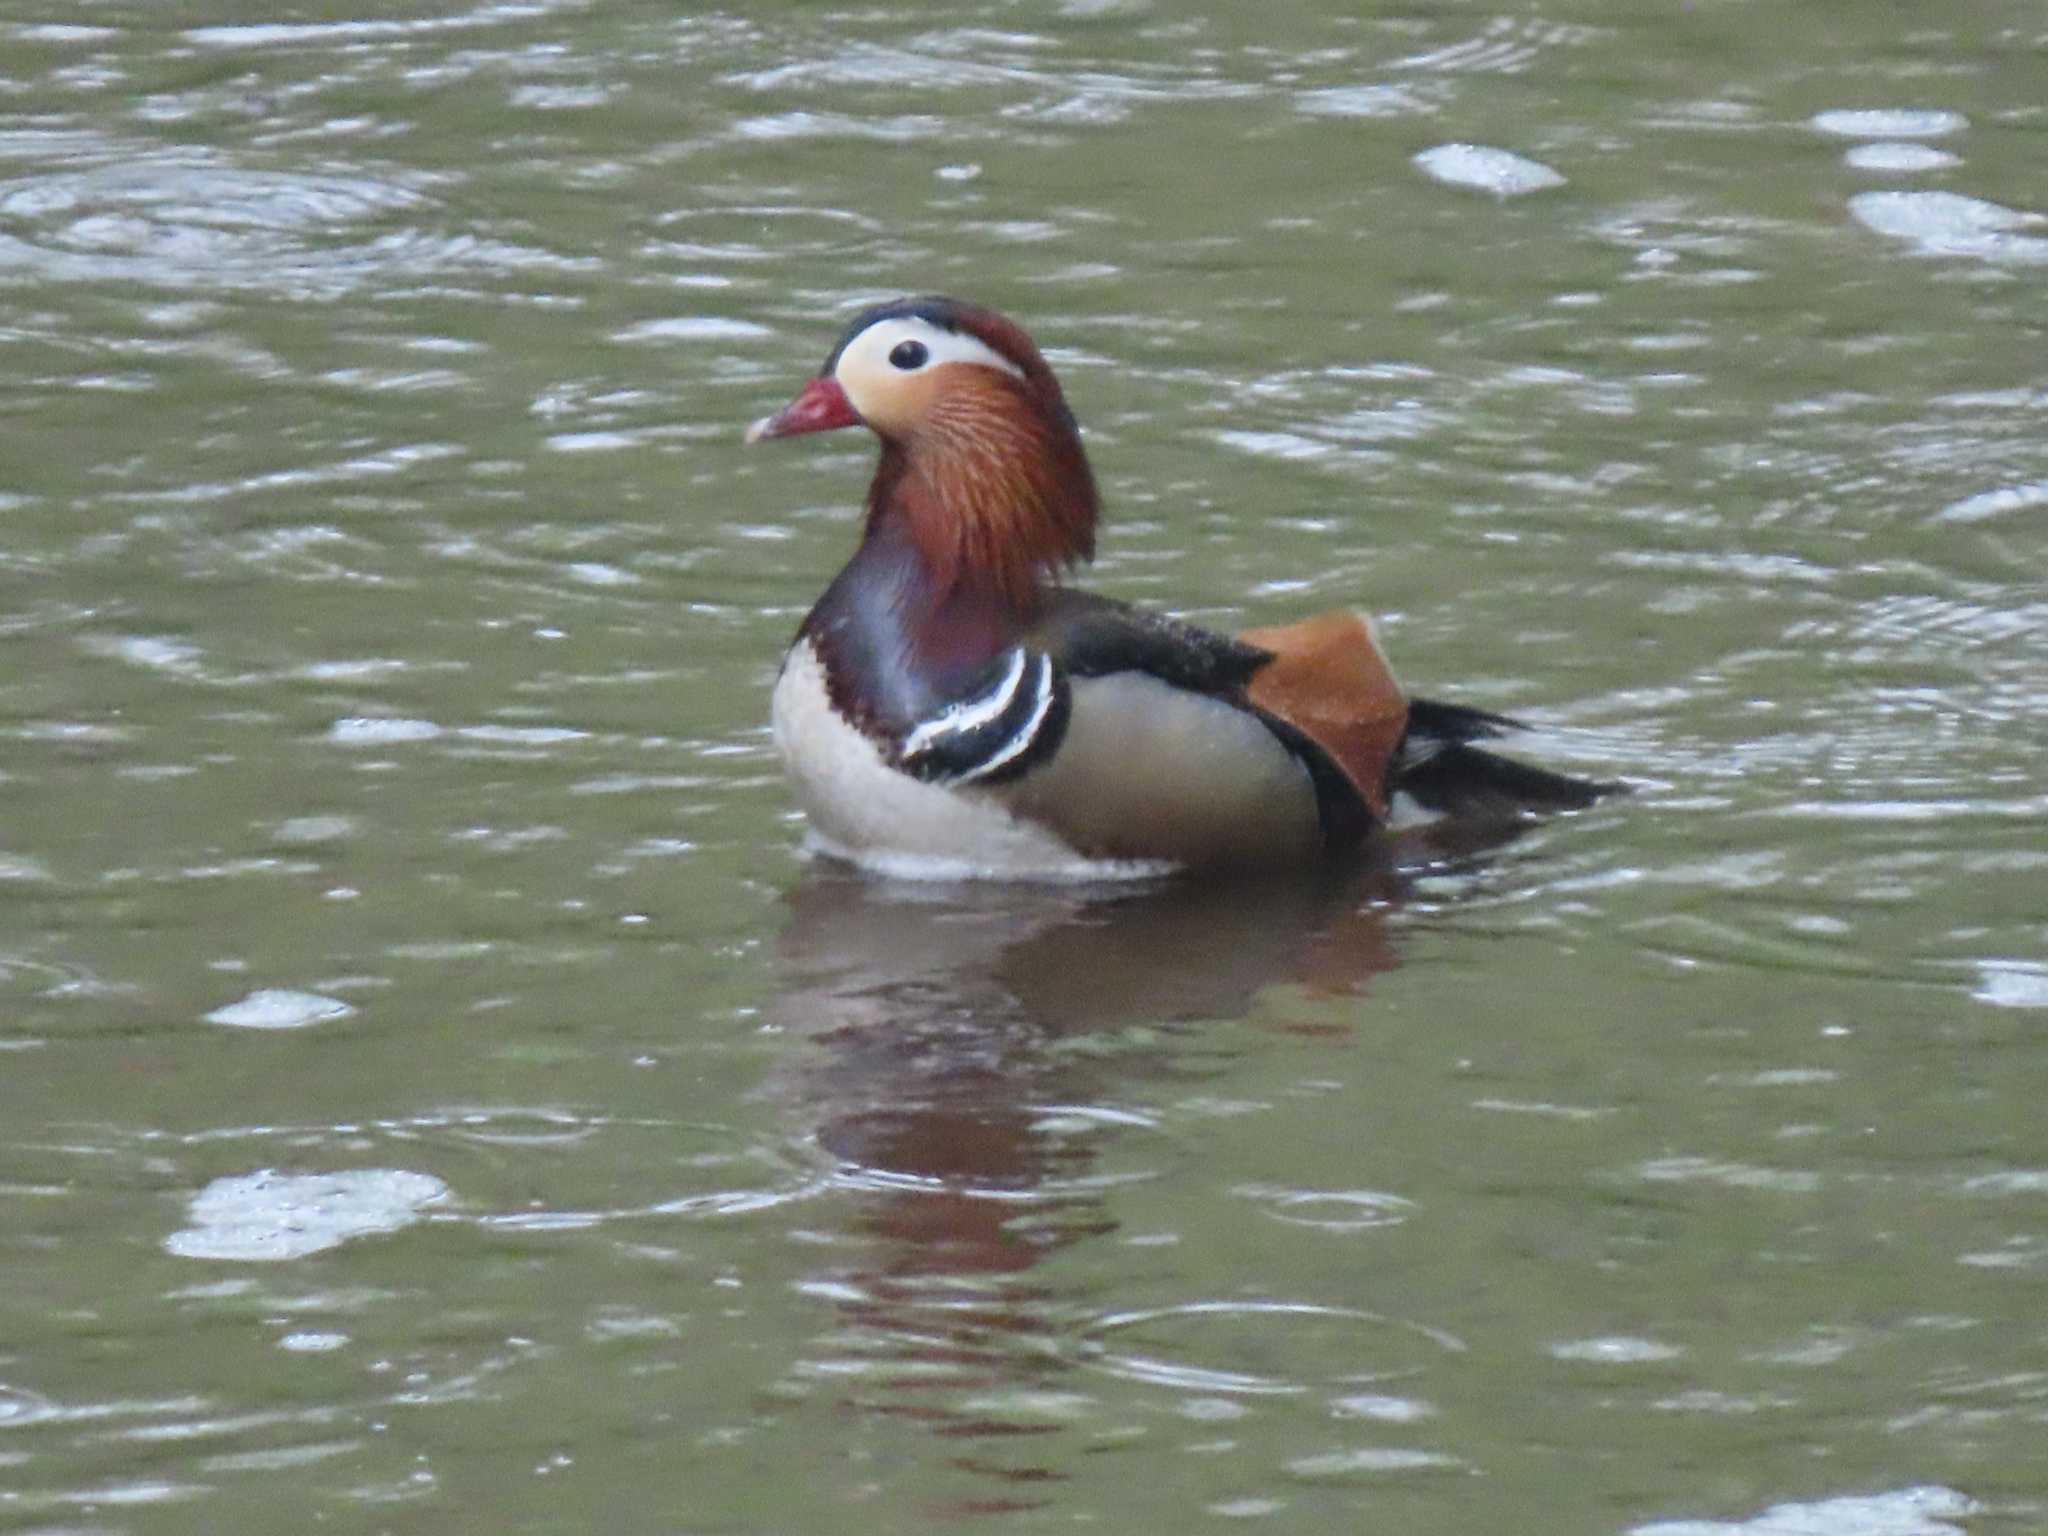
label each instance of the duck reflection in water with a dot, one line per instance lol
(967, 1056)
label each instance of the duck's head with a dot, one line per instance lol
(982, 464)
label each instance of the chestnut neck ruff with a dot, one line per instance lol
(992, 488)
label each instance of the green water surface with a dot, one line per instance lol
(438, 1095)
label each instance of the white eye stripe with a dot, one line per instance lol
(867, 355)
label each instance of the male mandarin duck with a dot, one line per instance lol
(948, 707)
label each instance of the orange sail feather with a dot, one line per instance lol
(1329, 680)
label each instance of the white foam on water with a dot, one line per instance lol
(1996, 503)
(1486, 169)
(692, 328)
(312, 1343)
(269, 1216)
(1615, 1350)
(2012, 983)
(364, 731)
(523, 735)
(280, 1008)
(1921, 1511)
(1950, 224)
(1888, 123)
(1895, 155)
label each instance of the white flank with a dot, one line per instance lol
(1147, 770)
(1147, 777)
(863, 810)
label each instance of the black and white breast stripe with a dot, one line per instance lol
(996, 732)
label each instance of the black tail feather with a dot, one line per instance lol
(1438, 768)
(1448, 723)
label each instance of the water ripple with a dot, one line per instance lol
(201, 224)
(1341, 1210)
(327, 34)
(1333, 1343)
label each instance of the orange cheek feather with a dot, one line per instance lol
(1329, 680)
(897, 403)
(991, 490)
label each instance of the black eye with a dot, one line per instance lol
(910, 354)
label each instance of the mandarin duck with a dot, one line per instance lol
(950, 708)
